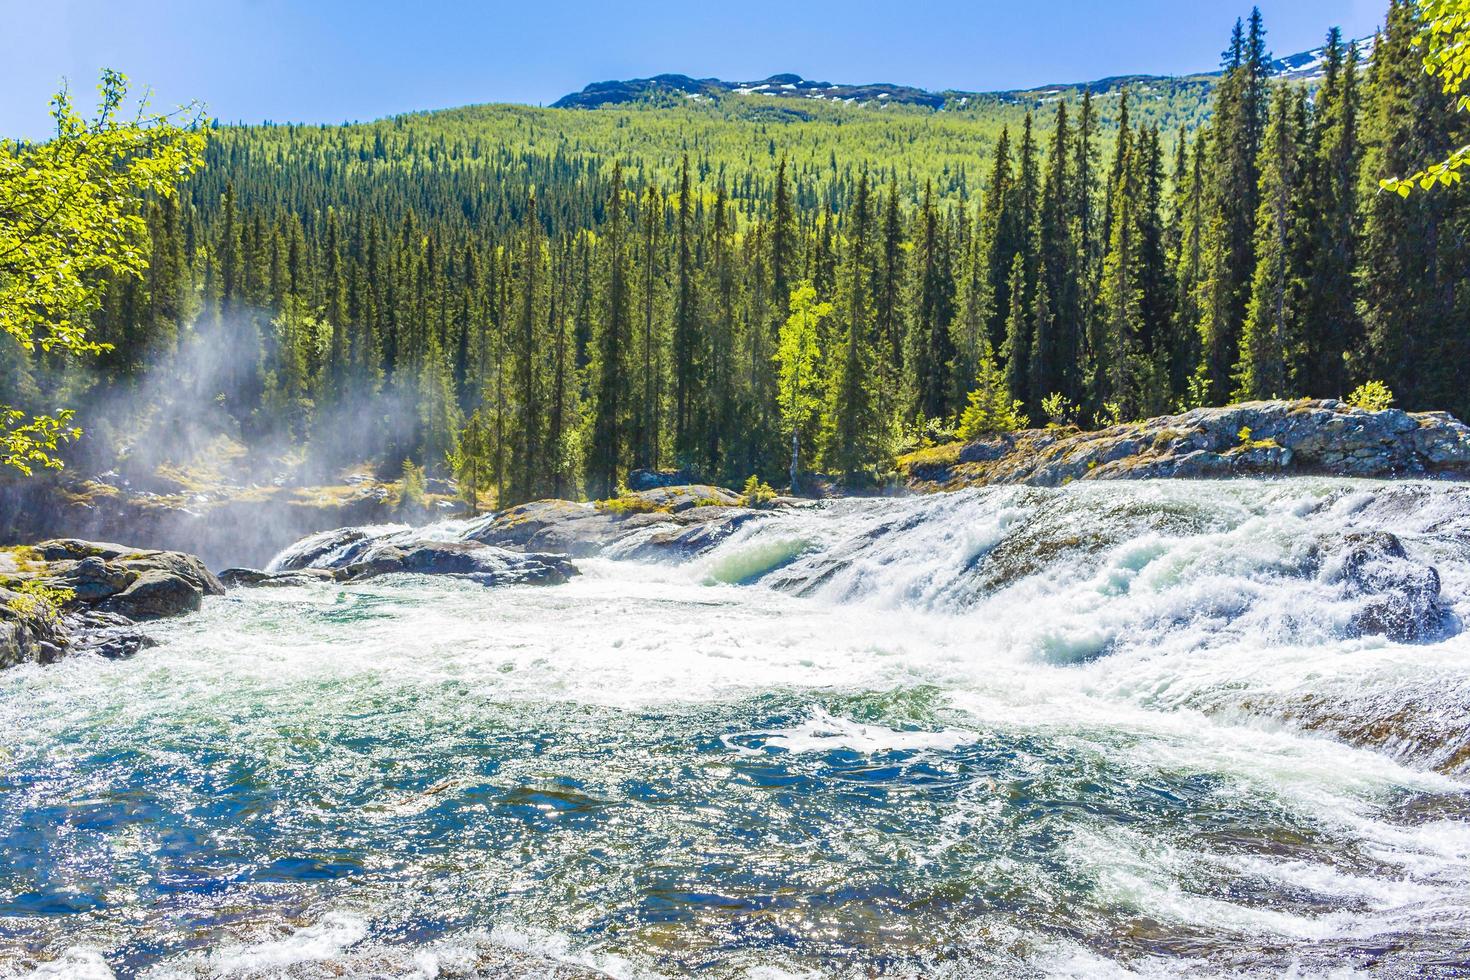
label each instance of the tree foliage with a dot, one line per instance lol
(71, 218)
(1445, 42)
(691, 287)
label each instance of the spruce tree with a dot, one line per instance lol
(1236, 129)
(1186, 260)
(605, 458)
(1416, 250)
(686, 324)
(1330, 325)
(1273, 321)
(527, 483)
(1017, 350)
(854, 443)
(976, 299)
(932, 351)
(889, 320)
(1055, 344)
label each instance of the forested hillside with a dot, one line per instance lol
(545, 299)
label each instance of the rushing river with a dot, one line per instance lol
(1105, 730)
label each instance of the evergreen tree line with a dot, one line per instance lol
(721, 320)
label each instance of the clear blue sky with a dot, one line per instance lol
(336, 60)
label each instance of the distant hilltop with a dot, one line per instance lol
(1306, 66)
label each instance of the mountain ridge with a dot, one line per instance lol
(1305, 66)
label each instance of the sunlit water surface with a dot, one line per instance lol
(846, 743)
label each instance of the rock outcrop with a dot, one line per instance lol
(528, 544)
(1250, 439)
(354, 554)
(469, 560)
(674, 521)
(70, 596)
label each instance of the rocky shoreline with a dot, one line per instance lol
(1273, 438)
(70, 596)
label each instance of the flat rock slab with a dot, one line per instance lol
(1324, 437)
(643, 524)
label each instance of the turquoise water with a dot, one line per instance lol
(1154, 751)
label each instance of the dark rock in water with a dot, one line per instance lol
(317, 548)
(1249, 439)
(243, 578)
(106, 635)
(469, 560)
(1400, 598)
(27, 634)
(178, 565)
(676, 500)
(155, 594)
(75, 549)
(253, 578)
(697, 530)
(560, 526)
(523, 526)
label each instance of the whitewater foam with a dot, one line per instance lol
(1122, 730)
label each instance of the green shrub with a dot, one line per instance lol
(628, 503)
(757, 493)
(1373, 396)
(1247, 440)
(38, 601)
(1111, 415)
(1059, 410)
(412, 490)
(946, 455)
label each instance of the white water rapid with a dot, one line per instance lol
(1149, 729)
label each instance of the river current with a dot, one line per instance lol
(1098, 731)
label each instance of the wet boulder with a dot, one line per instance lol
(626, 522)
(155, 594)
(176, 564)
(93, 579)
(97, 570)
(68, 596)
(27, 633)
(467, 560)
(1396, 596)
(341, 545)
(694, 532)
(108, 635)
(676, 500)
(75, 549)
(563, 527)
(254, 578)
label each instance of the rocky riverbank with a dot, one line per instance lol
(69, 596)
(1250, 439)
(528, 544)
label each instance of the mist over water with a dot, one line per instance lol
(209, 452)
(1119, 730)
